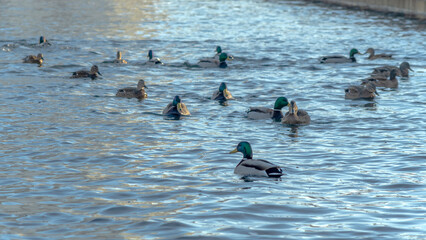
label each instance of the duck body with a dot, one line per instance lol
(176, 108)
(382, 81)
(296, 116)
(213, 62)
(254, 167)
(340, 59)
(93, 73)
(367, 91)
(401, 71)
(373, 56)
(257, 113)
(133, 92)
(34, 59)
(222, 94)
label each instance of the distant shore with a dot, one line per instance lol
(411, 8)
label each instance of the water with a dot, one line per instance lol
(78, 162)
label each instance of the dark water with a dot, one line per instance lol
(78, 162)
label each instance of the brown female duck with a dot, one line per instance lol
(133, 92)
(381, 81)
(93, 73)
(367, 91)
(296, 115)
(34, 59)
(373, 56)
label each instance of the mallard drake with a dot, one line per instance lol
(211, 62)
(340, 59)
(34, 59)
(133, 92)
(372, 56)
(43, 42)
(152, 59)
(382, 81)
(296, 115)
(402, 71)
(366, 91)
(176, 108)
(222, 94)
(93, 73)
(254, 167)
(264, 112)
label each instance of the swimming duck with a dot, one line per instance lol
(34, 59)
(402, 71)
(119, 59)
(211, 62)
(340, 59)
(382, 81)
(296, 115)
(176, 108)
(152, 59)
(254, 167)
(366, 91)
(222, 94)
(372, 56)
(43, 42)
(264, 112)
(93, 73)
(131, 92)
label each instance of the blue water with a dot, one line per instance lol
(77, 162)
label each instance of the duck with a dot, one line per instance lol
(367, 91)
(133, 92)
(222, 94)
(373, 56)
(152, 59)
(254, 167)
(176, 108)
(34, 59)
(93, 73)
(212, 62)
(382, 81)
(402, 71)
(43, 42)
(218, 52)
(264, 112)
(296, 115)
(119, 59)
(340, 59)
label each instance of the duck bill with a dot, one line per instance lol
(230, 58)
(227, 94)
(234, 151)
(182, 109)
(99, 73)
(376, 93)
(409, 68)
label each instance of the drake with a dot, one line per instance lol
(176, 108)
(340, 59)
(373, 56)
(211, 62)
(264, 112)
(254, 167)
(153, 60)
(43, 42)
(367, 91)
(222, 94)
(296, 115)
(133, 92)
(382, 81)
(34, 59)
(402, 71)
(93, 73)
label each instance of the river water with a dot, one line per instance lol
(80, 163)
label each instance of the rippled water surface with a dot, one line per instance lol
(78, 162)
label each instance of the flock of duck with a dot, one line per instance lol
(384, 76)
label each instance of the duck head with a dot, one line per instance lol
(218, 49)
(118, 55)
(281, 102)
(405, 65)
(293, 108)
(353, 52)
(150, 55)
(181, 108)
(40, 56)
(95, 69)
(370, 51)
(42, 40)
(371, 88)
(245, 149)
(141, 84)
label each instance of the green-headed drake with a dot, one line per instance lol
(264, 112)
(402, 71)
(222, 94)
(93, 73)
(43, 42)
(218, 52)
(382, 81)
(340, 59)
(367, 91)
(153, 60)
(211, 62)
(133, 92)
(254, 167)
(176, 108)
(296, 115)
(373, 56)
(34, 59)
